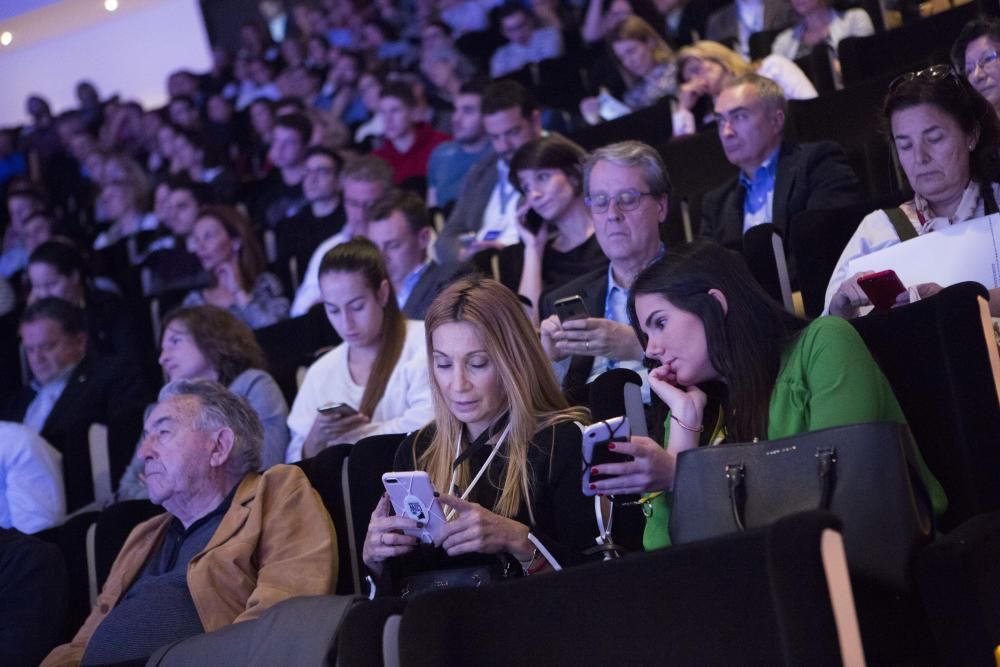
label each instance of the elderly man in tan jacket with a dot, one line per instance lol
(232, 543)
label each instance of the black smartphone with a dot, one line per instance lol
(340, 410)
(571, 308)
(533, 221)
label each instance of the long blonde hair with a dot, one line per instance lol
(533, 397)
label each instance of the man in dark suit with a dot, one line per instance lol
(627, 189)
(401, 228)
(71, 390)
(777, 179)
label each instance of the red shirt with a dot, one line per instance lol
(412, 163)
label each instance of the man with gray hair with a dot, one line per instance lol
(232, 543)
(627, 189)
(778, 179)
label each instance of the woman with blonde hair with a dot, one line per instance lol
(646, 63)
(503, 450)
(706, 66)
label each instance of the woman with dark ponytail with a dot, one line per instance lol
(378, 373)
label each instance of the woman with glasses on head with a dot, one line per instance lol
(947, 138)
(557, 232)
(735, 366)
(975, 53)
(503, 450)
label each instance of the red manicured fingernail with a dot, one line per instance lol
(594, 471)
(593, 486)
(611, 445)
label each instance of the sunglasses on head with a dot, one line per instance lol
(932, 73)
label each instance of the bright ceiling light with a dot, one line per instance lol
(6, 38)
(111, 5)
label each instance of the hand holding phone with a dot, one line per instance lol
(571, 308)
(882, 288)
(596, 452)
(338, 410)
(412, 495)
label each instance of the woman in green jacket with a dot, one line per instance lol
(714, 331)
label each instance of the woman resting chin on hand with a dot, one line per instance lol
(702, 316)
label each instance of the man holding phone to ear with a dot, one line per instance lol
(627, 190)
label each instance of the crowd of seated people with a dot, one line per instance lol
(397, 175)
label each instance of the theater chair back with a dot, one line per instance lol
(773, 596)
(940, 357)
(327, 472)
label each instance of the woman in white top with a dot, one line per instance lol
(948, 142)
(706, 66)
(379, 371)
(819, 24)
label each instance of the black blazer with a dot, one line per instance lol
(809, 176)
(106, 392)
(593, 289)
(434, 279)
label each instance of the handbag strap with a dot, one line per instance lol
(826, 471)
(901, 223)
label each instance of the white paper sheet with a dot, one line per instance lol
(965, 251)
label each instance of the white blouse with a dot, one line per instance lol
(405, 406)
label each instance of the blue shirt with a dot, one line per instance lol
(406, 289)
(615, 309)
(46, 396)
(759, 191)
(447, 167)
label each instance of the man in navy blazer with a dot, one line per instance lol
(70, 390)
(777, 179)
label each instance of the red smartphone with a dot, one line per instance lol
(882, 288)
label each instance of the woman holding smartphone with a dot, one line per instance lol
(947, 138)
(557, 232)
(503, 450)
(714, 331)
(375, 381)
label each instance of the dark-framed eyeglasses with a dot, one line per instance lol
(626, 200)
(987, 60)
(932, 73)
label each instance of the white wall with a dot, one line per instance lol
(127, 52)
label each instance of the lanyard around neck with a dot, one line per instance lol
(482, 469)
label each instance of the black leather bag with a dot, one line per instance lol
(864, 473)
(473, 576)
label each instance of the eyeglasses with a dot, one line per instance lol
(932, 73)
(626, 200)
(986, 60)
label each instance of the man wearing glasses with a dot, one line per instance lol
(975, 54)
(364, 182)
(627, 190)
(778, 179)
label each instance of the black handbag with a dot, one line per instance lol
(864, 473)
(473, 576)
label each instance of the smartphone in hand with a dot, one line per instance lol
(571, 308)
(412, 495)
(882, 288)
(595, 448)
(339, 410)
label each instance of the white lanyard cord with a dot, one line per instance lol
(475, 480)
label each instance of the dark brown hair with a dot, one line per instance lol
(361, 256)
(251, 255)
(222, 338)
